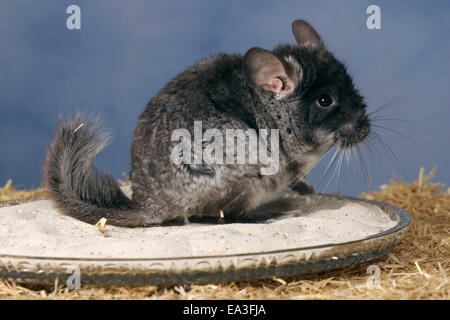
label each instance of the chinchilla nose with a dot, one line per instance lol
(347, 128)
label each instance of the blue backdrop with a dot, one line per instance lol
(127, 50)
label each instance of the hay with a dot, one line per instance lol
(418, 268)
(8, 192)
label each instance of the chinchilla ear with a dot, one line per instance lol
(305, 34)
(265, 70)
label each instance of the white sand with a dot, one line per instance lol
(38, 229)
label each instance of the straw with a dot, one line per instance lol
(417, 268)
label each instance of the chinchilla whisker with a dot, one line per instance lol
(348, 153)
(348, 159)
(325, 155)
(333, 175)
(364, 166)
(339, 166)
(379, 118)
(370, 144)
(327, 171)
(356, 158)
(330, 163)
(334, 164)
(383, 106)
(299, 177)
(390, 102)
(400, 134)
(365, 169)
(328, 168)
(378, 138)
(352, 154)
(382, 142)
(323, 176)
(336, 155)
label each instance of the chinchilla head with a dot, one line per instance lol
(308, 93)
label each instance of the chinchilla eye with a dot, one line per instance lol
(324, 101)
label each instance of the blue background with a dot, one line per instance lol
(127, 50)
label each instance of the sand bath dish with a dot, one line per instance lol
(311, 235)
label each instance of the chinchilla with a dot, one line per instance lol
(301, 91)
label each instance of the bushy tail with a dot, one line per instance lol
(78, 189)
